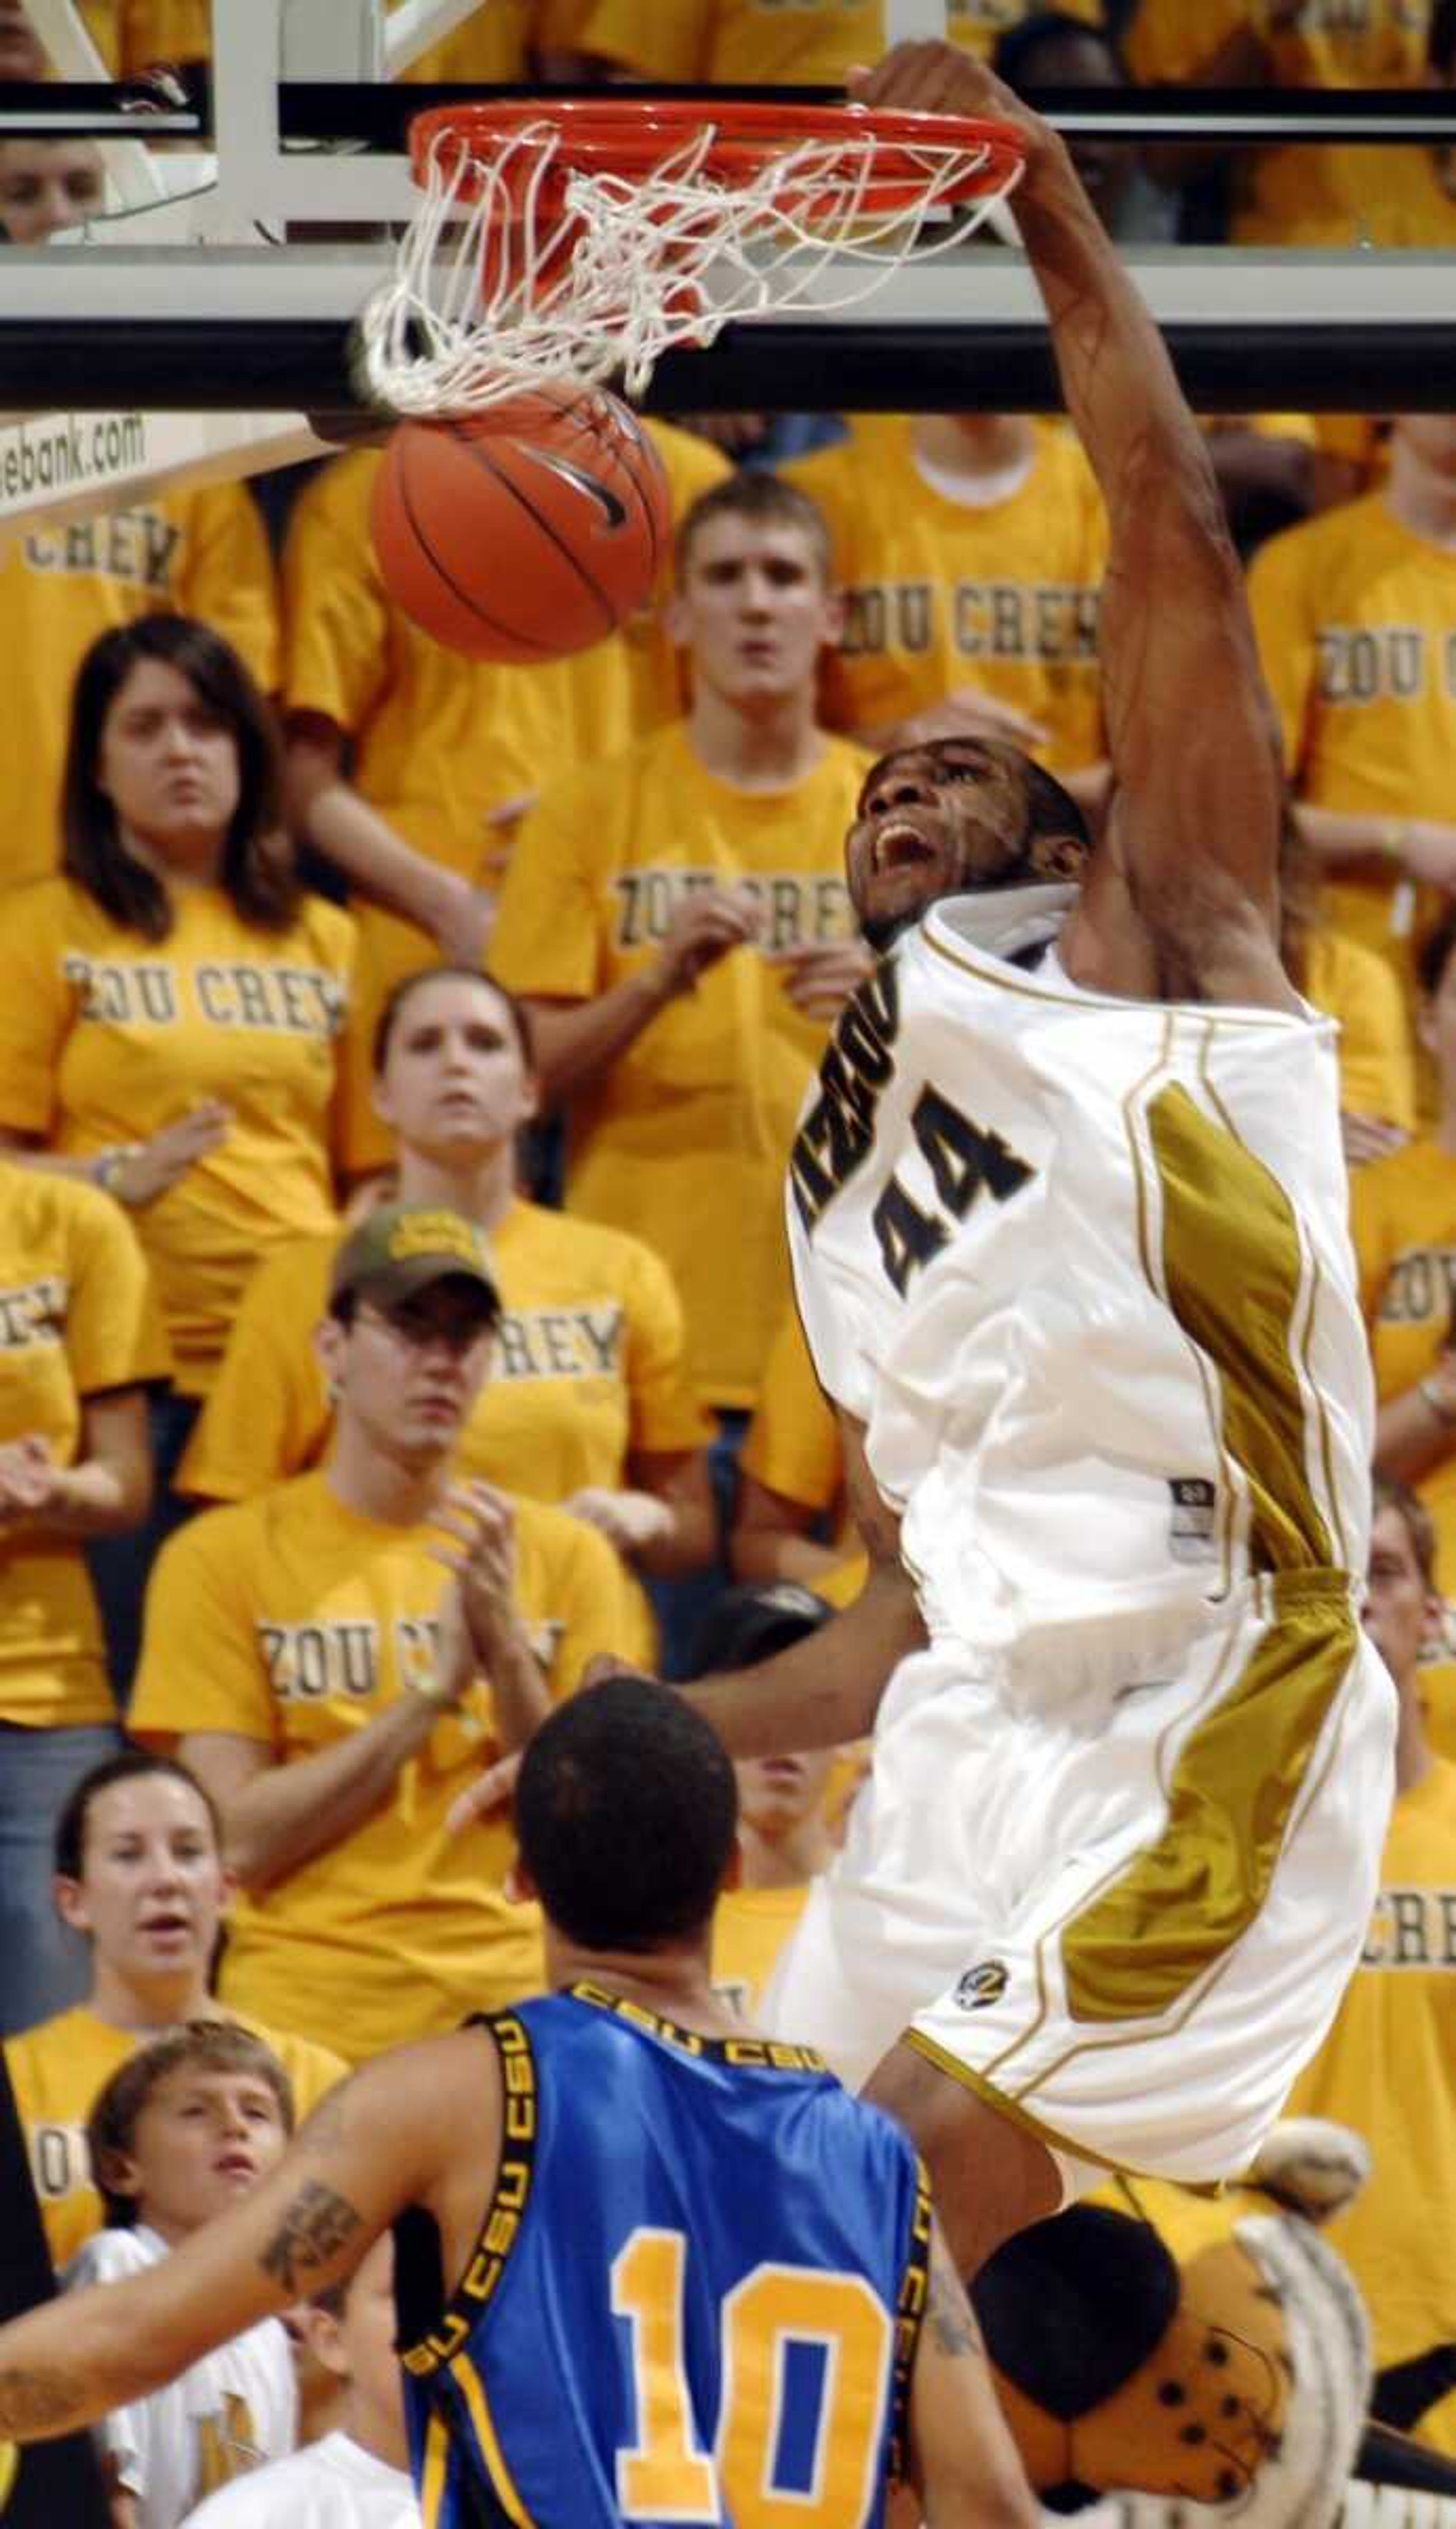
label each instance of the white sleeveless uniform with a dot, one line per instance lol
(1081, 1266)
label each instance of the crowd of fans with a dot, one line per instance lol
(314, 934)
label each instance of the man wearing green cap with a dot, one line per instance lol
(332, 1657)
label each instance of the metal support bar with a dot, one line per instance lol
(379, 115)
(378, 112)
(1265, 293)
(302, 364)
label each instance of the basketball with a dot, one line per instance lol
(525, 533)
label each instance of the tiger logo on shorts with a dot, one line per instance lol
(980, 1985)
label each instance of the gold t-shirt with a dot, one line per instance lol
(106, 1036)
(293, 1621)
(684, 1137)
(1354, 617)
(1403, 1219)
(1356, 988)
(1389, 2068)
(799, 43)
(135, 34)
(77, 1318)
(941, 594)
(750, 1928)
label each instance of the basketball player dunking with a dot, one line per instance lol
(1069, 1219)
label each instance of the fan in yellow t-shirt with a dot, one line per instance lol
(1353, 612)
(798, 43)
(1296, 195)
(1403, 1216)
(447, 751)
(587, 1404)
(678, 923)
(139, 1874)
(970, 549)
(79, 1339)
(335, 1687)
(171, 1003)
(1388, 2066)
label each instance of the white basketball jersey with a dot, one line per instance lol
(233, 2411)
(1082, 1267)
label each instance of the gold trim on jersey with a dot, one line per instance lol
(909, 2313)
(506, 2211)
(1004, 2106)
(1133, 1112)
(471, 2387)
(434, 2470)
(991, 969)
(744, 2054)
(1234, 1263)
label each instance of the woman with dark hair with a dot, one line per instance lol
(137, 1873)
(169, 1003)
(169, 1006)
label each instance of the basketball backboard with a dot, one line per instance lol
(242, 233)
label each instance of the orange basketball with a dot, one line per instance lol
(525, 533)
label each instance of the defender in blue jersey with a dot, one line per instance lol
(650, 2269)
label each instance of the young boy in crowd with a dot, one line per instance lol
(179, 2133)
(358, 2476)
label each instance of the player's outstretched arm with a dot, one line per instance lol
(383, 2140)
(963, 2460)
(826, 1690)
(1196, 816)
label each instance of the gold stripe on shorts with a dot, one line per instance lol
(1183, 1901)
(1233, 1267)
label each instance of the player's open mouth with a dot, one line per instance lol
(900, 848)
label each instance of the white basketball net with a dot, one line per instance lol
(629, 266)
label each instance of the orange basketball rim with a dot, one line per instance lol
(889, 157)
(578, 237)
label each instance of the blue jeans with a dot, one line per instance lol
(44, 1966)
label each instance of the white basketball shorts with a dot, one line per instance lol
(1124, 1914)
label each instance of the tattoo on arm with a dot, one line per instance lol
(316, 2226)
(948, 2314)
(38, 2401)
